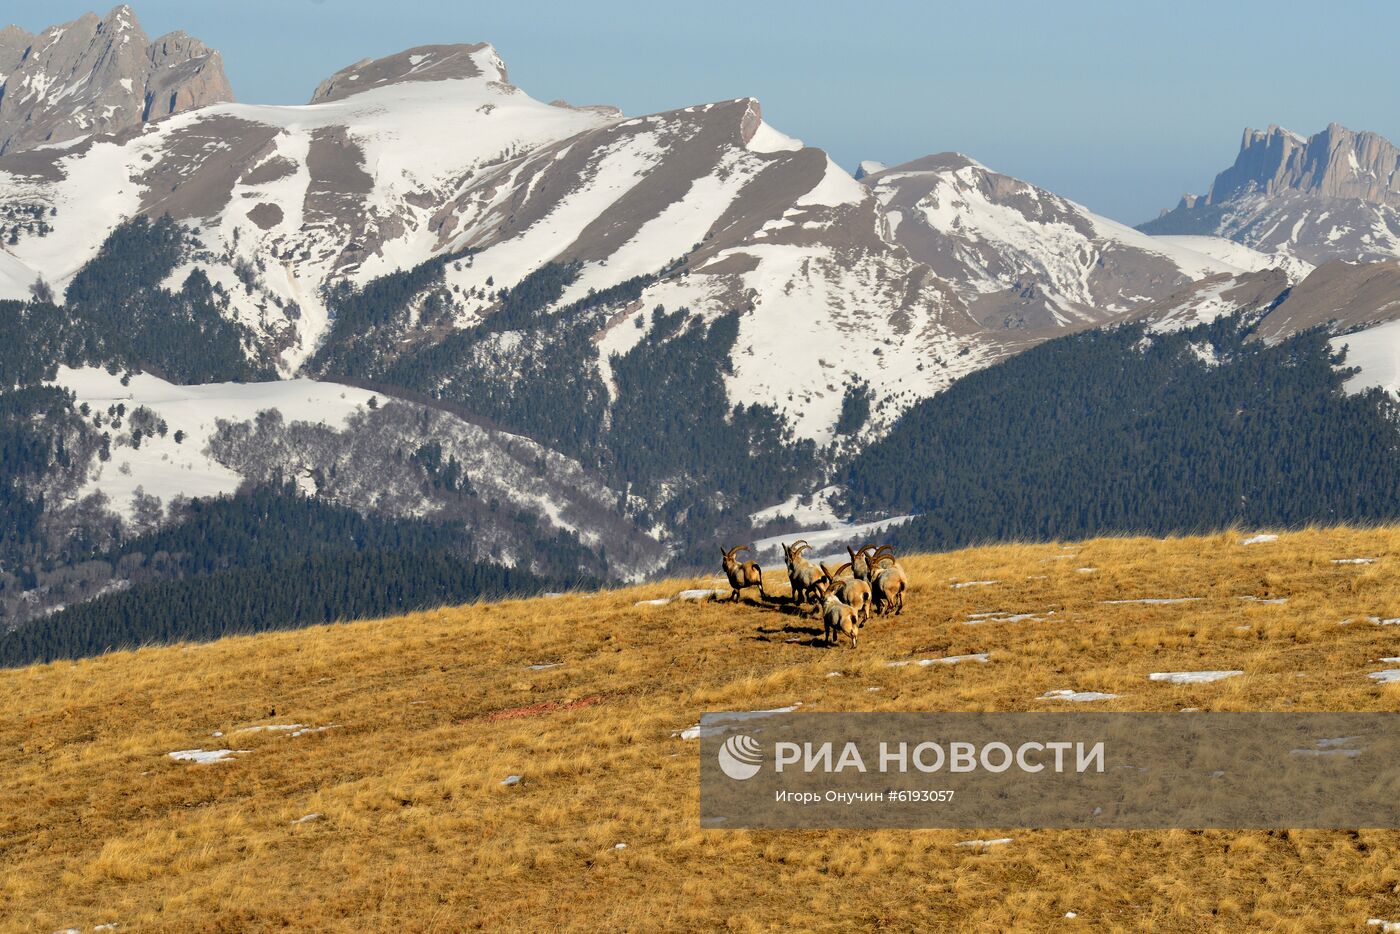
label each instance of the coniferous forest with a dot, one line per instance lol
(1109, 431)
(271, 558)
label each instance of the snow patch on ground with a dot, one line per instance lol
(982, 657)
(719, 727)
(976, 619)
(1065, 694)
(1192, 677)
(204, 756)
(1259, 539)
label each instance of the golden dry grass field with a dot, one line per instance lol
(427, 714)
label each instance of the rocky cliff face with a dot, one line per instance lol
(99, 75)
(1336, 163)
(1334, 195)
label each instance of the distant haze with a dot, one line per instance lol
(1112, 104)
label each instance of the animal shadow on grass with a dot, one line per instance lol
(815, 635)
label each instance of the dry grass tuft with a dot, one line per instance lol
(431, 712)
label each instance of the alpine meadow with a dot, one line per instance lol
(425, 507)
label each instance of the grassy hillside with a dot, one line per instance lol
(426, 715)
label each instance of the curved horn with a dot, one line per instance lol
(800, 547)
(890, 558)
(884, 550)
(730, 553)
(800, 541)
(842, 568)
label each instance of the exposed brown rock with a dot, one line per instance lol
(1343, 296)
(99, 75)
(422, 63)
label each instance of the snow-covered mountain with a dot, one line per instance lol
(432, 152)
(1025, 259)
(1334, 195)
(99, 75)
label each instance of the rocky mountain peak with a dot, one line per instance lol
(1333, 195)
(422, 63)
(99, 75)
(1334, 163)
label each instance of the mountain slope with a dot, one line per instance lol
(1334, 195)
(411, 727)
(99, 75)
(284, 202)
(1123, 429)
(1021, 257)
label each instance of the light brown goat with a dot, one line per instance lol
(742, 574)
(849, 590)
(837, 618)
(861, 562)
(888, 582)
(803, 575)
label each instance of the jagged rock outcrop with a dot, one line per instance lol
(1336, 163)
(1334, 195)
(99, 75)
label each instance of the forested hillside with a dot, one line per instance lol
(664, 429)
(1120, 430)
(273, 559)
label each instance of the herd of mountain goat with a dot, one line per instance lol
(876, 583)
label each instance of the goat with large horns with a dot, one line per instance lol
(851, 591)
(803, 575)
(861, 563)
(742, 574)
(888, 581)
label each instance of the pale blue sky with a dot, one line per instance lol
(1119, 105)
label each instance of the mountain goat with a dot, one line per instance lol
(803, 575)
(851, 591)
(888, 582)
(838, 618)
(741, 574)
